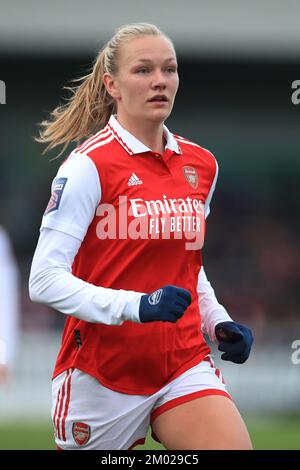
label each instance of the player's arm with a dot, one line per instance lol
(76, 194)
(233, 339)
(52, 283)
(212, 312)
(75, 198)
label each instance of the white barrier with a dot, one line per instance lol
(268, 383)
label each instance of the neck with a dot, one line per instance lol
(150, 133)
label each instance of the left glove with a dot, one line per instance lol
(235, 341)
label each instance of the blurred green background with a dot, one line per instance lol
(266, 434)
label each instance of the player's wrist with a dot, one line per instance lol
(132, 307)
(218, 315)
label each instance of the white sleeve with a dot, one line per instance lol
(210, 194)
(52, 283)
(9, 302)
(76, 194)
(211, 311)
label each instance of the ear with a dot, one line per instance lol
(111, 86)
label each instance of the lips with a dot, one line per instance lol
(158, 98)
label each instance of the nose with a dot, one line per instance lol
(159, 80)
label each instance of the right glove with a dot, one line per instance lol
(166, 304)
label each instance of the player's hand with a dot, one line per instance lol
(235, 341)
(166, 304)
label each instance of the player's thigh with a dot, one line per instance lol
(209, 422)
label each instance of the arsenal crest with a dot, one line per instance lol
(81, 433)
(191, 176)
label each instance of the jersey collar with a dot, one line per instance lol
(132, 145)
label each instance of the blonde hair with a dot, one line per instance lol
(90, 106)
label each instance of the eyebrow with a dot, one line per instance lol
(150, 61)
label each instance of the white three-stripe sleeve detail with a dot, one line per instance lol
(52, 283)
(211, 311)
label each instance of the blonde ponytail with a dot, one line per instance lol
(90, 106)
(87, 111)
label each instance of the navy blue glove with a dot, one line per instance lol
(235, 341)
(166, 304)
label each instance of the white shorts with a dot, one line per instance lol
(87, 415)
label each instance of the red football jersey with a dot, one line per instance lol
(147, 232)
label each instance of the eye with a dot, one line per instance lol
(171, 69)
(143, 70)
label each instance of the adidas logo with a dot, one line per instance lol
(133, 180)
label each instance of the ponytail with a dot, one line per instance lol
(87, 111)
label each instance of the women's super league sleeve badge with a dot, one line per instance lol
(191, 176)
(57, 190)
(81, 433)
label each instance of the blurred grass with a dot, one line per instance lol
(274, 433)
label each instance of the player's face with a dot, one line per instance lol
(147, 80)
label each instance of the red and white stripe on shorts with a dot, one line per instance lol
(217, 371)
(62, 406)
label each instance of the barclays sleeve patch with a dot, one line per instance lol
(57, 191)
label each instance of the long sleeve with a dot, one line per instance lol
(52, 283)
(211, 311)
(76, 194)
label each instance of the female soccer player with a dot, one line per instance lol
(120, 254)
